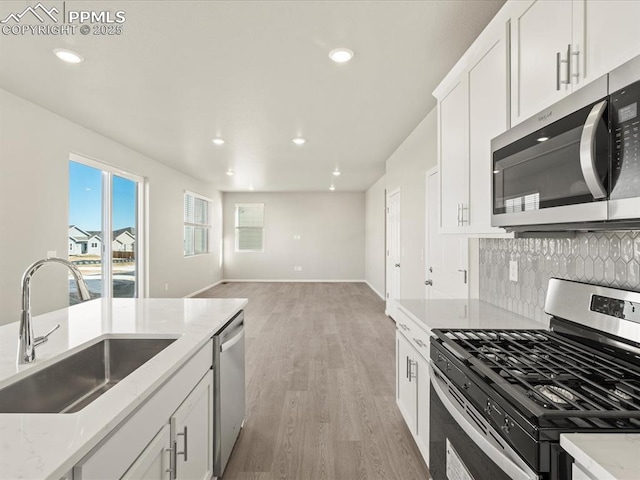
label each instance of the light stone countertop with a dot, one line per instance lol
(445, 313)
(605, 456)
(49, 445)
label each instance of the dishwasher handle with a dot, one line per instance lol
(233, 340)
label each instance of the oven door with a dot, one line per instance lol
(553, 168)
(462, 445)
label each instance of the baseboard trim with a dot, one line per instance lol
(193, 294)
(374, 290)
(291, 280)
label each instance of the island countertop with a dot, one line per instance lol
(49, 445)
(606, 456)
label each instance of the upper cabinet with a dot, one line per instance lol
(532, 54)
(472, 109)
(558, 47)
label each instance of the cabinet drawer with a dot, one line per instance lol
(416, 335)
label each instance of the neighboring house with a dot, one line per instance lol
(78, 240)
(83, 242)
(94, 245)
(124, 242)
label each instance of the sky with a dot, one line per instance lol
(85, 199)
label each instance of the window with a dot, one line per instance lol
(249, 227)
(105, 203)
(197, 224)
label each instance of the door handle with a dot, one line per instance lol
(465, 275)
(428, 283)
(588, 151)
(183, 452)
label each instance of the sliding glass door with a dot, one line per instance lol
(104, 229)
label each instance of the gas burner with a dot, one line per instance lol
(555, 394)
(618, 395)
(487, 349)
(513, 360)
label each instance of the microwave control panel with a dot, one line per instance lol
(625, 142)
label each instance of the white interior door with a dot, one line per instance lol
(446, 256)
(393, 251)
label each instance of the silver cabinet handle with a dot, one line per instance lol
(419, 342)
(459, 205)
(588, 151)
(171, 470)
(183, 452)
(429, 283)
(576, 73)
(568, 64)
(406, 375)
(557, 70)
(411, 364)
(462, 209)
(465, 275)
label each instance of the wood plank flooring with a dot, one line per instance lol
(320, 386)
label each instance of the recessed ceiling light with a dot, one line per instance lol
(298, 140)
(229, 172)
(341, 55)
(543, 139)
(336, 172)
(67, 55)
(218, 141)
(332, 188)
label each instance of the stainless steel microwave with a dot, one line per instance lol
(575, 165)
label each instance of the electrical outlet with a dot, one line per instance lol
(513, 270)
(166, 287)
(52, 254)
(297, 268)
(296, 237)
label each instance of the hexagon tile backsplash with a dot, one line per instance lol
(604, 258)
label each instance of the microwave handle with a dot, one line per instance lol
(588, 151)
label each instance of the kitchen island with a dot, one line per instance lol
(50, 445)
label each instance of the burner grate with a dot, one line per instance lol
(552, 376)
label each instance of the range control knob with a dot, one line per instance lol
(506, 427)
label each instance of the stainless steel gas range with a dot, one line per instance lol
(500, 399)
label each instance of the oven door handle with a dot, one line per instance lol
(588, 151)
(507, 459)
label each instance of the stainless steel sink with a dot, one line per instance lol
(74, 382)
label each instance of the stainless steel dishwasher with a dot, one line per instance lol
(229, 391)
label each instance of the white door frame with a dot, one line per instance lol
(389, 270)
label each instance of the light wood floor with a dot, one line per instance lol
(320, 386)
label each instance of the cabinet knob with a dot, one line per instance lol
(429, 283)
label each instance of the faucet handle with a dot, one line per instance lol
(39, 340)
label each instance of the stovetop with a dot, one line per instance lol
(553, 380)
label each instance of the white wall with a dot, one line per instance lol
(34, 155)
(375, 237)
(406, 169)
(331, 227)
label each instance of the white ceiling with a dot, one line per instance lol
(257, 74)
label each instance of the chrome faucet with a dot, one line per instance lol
(27, 343)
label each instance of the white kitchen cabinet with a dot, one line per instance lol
(154, 463)
(413, 380)
(558, 47)
(606, 35)
(135, 437)
(423, 380)
(488, 117)
(472, 109)
(407, 391)
(453, 131)
(192, 433)
(540, 39)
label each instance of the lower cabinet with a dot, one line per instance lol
(192, 433)
(412, 389)
(154, 463)
(170, 437)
